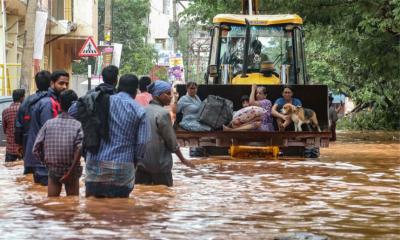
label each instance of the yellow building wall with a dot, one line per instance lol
(58, 53)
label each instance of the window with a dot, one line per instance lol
(160, 43)
(61, 9)
(165, 7)
(267, 43)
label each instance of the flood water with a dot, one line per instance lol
(351, 192)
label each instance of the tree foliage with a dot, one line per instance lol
(351, 45)
(129, 27)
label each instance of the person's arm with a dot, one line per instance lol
(143, 137)
(298, 103)
(339, 108)
(183, 159)
(174, 103)
(277, 114)
(252, 99)
(4, 122)
(183, 102)
(78, 138)
(18, 125)
(46, 112)
(73, 110)
(77, 158)
(167, 133)
(38, 145)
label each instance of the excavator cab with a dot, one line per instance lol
(261, 49)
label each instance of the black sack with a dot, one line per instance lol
(216, 111)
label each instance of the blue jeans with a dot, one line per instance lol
(105, 190)
(41, 175)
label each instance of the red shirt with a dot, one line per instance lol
(9, 115)
(144, 98)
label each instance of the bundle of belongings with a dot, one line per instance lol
(248, 118)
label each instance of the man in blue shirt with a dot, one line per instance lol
(110, 171)
(287, 97)
(46, 108)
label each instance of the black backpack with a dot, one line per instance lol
(93, 112)
(216, 111)
(24, 117)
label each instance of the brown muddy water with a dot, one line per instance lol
(351, 192)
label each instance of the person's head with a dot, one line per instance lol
(59, 81)
(42, 80)
(144, 81)
(110, 75)
(261, 93)
(330, 100)
(287, 93)
(256, 45)
(161, 91)
(67, 97)
(245, 101)
(18, 95)
(191, 88)
(128, 83)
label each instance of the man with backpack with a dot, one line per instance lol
(92, 110)
(46, 108)
(110, 170)
(42, 81)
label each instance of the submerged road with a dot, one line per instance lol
(351, 192)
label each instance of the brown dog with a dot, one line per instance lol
(300, 115)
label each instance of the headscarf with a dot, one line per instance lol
(159, 87)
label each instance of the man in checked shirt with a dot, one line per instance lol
(13, 150)
(58, 146)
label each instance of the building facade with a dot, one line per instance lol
(67, 23)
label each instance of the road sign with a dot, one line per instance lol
(89, 49)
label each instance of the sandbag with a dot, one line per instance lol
(216, 111)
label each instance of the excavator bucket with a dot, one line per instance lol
(314, 97)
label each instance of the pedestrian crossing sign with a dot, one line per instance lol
(89, 49)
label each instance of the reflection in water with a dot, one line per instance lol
(352, 191)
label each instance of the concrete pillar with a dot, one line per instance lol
(13, 63)
(3, 58)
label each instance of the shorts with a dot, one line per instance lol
(28, 170)
(76, 174)
(106, 190)
(144, 177)
(40, 176)
(11, 157)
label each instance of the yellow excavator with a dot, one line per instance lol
(265, 50)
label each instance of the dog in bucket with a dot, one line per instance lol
(300, 115)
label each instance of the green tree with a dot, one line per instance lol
(129, 27)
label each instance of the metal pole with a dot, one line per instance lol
(250, 7)
(175, 22)
(89, 74)
(108, 22)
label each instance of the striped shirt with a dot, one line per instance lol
(129, 132)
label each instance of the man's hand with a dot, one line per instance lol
(188, 163)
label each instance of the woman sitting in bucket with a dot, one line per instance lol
(257, 116)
